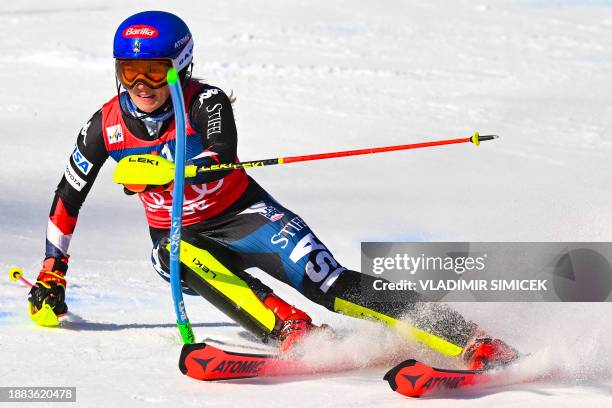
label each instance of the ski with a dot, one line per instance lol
(205, 362)
(415, 379)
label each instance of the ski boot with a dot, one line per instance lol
(294, 323)
(485, 353)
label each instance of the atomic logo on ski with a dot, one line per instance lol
(412, 378)
(249, 367)
(203, 362)
(230, 366)
(443, 382)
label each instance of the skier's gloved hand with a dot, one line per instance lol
(131, 189)
(50, 286)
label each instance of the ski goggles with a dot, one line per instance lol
(150, 72)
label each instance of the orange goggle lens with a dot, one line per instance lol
(148, 71)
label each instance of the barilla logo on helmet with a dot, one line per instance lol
(140, 31)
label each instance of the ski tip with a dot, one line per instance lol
(185, 351)
(390, 376)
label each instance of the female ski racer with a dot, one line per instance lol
(230, 222)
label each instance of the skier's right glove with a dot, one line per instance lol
(50, 286)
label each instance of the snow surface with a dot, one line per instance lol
(314, 76)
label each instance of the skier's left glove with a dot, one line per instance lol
(50, 286)
(131, 189)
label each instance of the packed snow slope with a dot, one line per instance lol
(310, 77)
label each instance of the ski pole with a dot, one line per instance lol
(155, 170)
(16, 274)
(182, 320)
(475, 139)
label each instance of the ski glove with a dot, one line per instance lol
(50, 286)
(131, 189)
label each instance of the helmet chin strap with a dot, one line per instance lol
(188, 74)
(118, 85)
